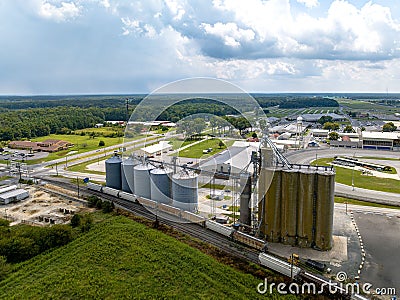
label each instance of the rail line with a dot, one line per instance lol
(194, 230)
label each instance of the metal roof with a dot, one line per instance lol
(381, 135)
(13, 193)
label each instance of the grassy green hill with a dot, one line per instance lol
(120, 258)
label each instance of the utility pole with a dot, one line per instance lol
(77, 182)
(57, 169)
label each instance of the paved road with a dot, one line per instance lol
(307, 156)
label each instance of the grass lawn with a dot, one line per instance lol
(82, 144)
(102, 130)
(363, 203)
(344, 176)
(196, 151)
(121, 259)
(4, 177)
(177, 143)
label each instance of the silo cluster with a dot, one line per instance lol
(158, 184)
(296, 206)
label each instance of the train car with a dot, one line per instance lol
(221, 229)
(169, 209)
(316, 265)
(95, 187)
(127, 196)
(111, 191)
(147, 202)
(278, 265)
(249, 240)
(191, 217)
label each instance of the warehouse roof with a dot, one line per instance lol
(381, 135)
(14, 193)
(161, 146)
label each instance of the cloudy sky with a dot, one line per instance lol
(121, 46)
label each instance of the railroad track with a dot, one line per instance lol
(191, 229)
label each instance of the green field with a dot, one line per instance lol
(178, 143)
(281, 112)
(119, 258)
(344, 176)
(196, 151)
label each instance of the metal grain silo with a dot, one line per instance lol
(270, 205)
(305, 207)
(184, 191)
(290, 183)
(160, 185)
(245, 197)
(324, 209)
(141, 179)
(113, 172)
(127, 174)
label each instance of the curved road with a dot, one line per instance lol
(307, 156)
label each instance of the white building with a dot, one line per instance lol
(380, 140)
(156, 148)
(12, 194)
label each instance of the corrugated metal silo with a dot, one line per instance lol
(127, 174)
(290, 180)
(184, 191)
(245, 196)
(160, 185)
(270, 204)
(113, 172)
(141, 174)
(305, 208)
(324, 209)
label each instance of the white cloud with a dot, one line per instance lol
(62, 12)
(309, 3)
(229, 32)
(176, 8)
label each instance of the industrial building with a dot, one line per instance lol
(11, 194)
(381, 140)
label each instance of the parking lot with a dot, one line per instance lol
(21, 155)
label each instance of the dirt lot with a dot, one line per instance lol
(41, 208)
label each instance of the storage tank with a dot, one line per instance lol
(141, 180)
(245, 196)
(184, 191)
(113, 172)
(270, 204)
(127, 174)
(305, 207)
(324, 209)
(160, 185)
(290, 183)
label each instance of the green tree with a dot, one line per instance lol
(389, 127)
(325, 119)
(221, 144)
(254, 135)
(349, 129)
(331, 126)
(102, 143)
(334, 136)
(76, 220)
